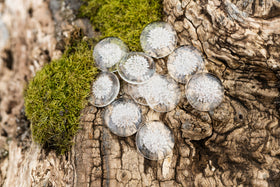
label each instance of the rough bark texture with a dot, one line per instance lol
(236, 144)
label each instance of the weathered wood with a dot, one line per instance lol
(236, 144)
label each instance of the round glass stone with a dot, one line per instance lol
(158, 39)
(108, 52)
(162, 93)
(154, 140)
(184, 62)
(104, 89)
(123, 117)
(204, 91)
(136, 68)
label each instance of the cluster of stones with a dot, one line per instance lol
(162, 93)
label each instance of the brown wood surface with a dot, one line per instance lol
(237, 144)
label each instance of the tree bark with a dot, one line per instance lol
(236, 144)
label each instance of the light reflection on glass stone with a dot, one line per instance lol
(184, 62)
(204, 91)
(108, 52)
(136, 68)
(158, 39)
(104, 89)
(162, 93)
(155, 140)
(123, 117)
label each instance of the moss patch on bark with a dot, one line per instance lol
(57, 94)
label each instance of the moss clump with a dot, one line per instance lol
(122, 18)
(56, 95)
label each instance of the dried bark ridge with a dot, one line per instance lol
(238, 143)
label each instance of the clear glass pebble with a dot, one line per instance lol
(184, 62)
(123, 117)
(155, 140)
(108, 52)
(158, 39)
(204, 91)
(104, 89)
(136, 68)
(162, 93)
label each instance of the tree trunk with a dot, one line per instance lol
(236, 144)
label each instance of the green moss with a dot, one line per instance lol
(122, 18)
(56, 95)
